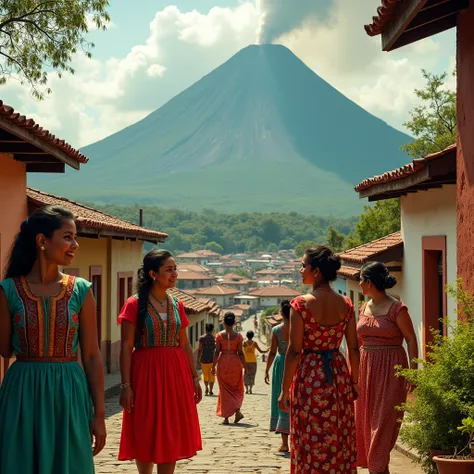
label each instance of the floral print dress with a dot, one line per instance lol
(322, 402)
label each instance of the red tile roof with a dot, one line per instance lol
(370, 250)
(404, 171)
(216, 290)
(29, 124)
(384, 15)
(88, 218)
(190, 275)
(193, 305)
(349, 272)
(275, 291)
(193, 267)
(274, 319)
(199, 254)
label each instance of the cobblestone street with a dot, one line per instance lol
(243, 448)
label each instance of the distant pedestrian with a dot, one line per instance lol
(46, 418)
(229, 362)
(160, 385)
(250, 347)
(279, 420)
(323, 389)
(207, 347)
(383, 324)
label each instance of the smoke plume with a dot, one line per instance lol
(281, 16)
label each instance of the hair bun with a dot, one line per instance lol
(390, 282)
(24, 226)
(335, 261)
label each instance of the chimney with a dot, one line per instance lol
(140, 218)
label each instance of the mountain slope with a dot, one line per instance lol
(261, 132)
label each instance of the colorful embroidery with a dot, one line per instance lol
(59, 320)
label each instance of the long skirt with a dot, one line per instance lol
(279, 420)
(377, 419)
(163, 426)
(249, 376)
(231, 384)
(45, 414)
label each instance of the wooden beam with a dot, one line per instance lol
(426, 31)
(437, 12)
(19, 147)
(31, 138)
(45, 167)
(401, 18)
(28, 158)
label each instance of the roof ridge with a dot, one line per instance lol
(371, 242)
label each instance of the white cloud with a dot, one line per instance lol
(156, 70)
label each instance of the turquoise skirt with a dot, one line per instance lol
(279, 421)
(45, 413)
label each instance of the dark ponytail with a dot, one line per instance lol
(45, 220)
(153, 260)
(285, 308)
(378, 274)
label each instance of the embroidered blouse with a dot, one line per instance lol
(45, 326)
(157, 331)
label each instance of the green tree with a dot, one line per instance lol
(434, 122)
(303, 246)
(375, 222)
(271, 230)
(241, 272)
(41, 35)
(214, 247)
(334, 239)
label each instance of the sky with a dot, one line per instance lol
(155, 50)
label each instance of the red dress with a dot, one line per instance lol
(230, 377)
(322, 402)
(163, 426)
(381, 390)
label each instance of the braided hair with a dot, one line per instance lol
(153, 260)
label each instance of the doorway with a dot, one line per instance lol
(96, 280)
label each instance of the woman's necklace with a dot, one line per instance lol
(161, 302)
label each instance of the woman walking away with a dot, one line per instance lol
(160, 386)
(46, 399)
(280, 420)
(250, 347)
(383, 324)
(322, 388)
(207, 347)
(228, 363)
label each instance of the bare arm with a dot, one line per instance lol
(353, 351)
(240, 351)
(92, 362)
(6, 349)
(188, 350)
(200, 350)
(260, 350)
(405, 324)
(293, 357)
(217, 351)
(127, 342)
(271, 358)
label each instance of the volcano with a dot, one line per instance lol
(262, 132)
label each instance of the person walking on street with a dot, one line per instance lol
(279, 420)
(160, 385)
(323, 438)
(50, 408)
(207, 347)
(250, 347)
(383, 324)
(228, 364)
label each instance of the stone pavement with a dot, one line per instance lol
(244, 448)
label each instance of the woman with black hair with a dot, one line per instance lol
(279, 420)
(322, 386)
(383, 324)
(250, 347)
(49, 407)
(228, 364)
(160, 385)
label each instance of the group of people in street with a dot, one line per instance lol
(333, 411)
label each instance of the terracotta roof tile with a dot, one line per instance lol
(216, 290)
(193, 267)
(349, 272)
(384, 15)
(199, 254)
(275, 291)
(370, 250)
(190, 275)
(29, 124)
(88, 218)
(274, 319)
(404, 171)
(195, 305)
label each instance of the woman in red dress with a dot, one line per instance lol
(383, 324)
(230, 361)
(160, 386)
(316, 380)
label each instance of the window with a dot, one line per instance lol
(202, 327)
(191, 335)
(197, 331)
(95, 277)
(124, 288)
(351, 293)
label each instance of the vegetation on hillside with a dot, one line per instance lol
(233, 233)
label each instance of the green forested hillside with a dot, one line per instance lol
(232, 233)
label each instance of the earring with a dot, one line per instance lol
(42, 248)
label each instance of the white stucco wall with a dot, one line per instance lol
(426, 213)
